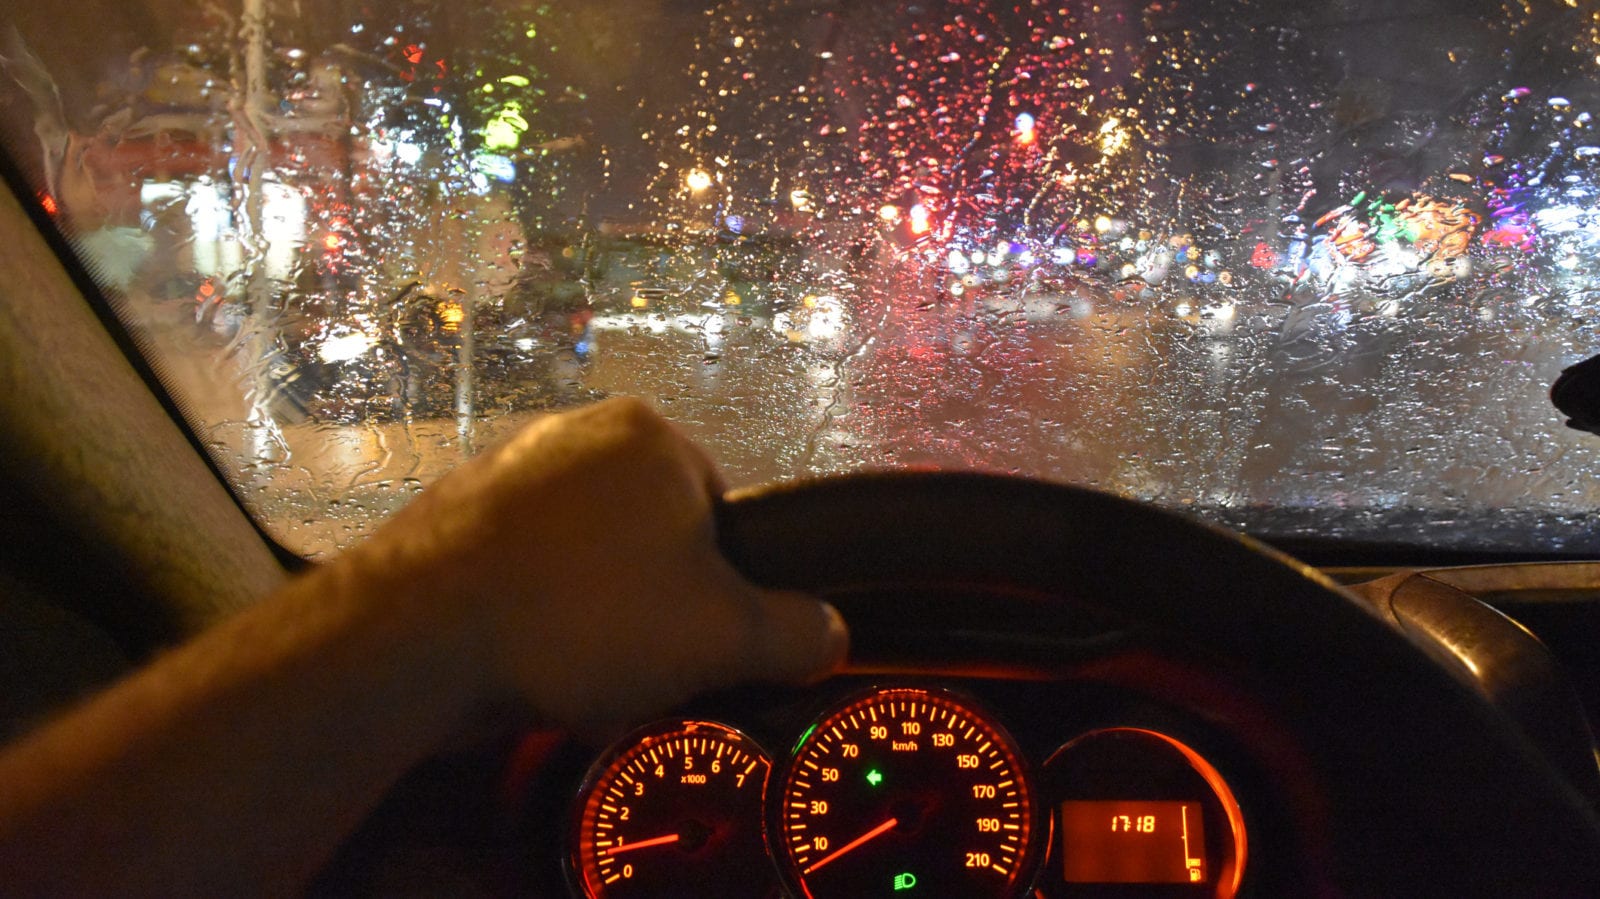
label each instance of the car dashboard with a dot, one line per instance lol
(1124, 761)
(1096, 781)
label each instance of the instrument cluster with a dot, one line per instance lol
(905, 789)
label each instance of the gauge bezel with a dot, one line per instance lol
(1031, 857)
(1228, 858)
(639, 740)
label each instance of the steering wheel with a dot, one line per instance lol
(1407, 782)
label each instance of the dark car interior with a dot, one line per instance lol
(1171, 708)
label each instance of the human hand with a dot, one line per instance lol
(583, 552)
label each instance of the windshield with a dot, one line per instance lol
(1299, 269)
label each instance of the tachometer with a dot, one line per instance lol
(671, 811)
(907, 790)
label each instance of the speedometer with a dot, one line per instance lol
(907, 791)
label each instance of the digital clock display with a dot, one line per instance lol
(1132, 841)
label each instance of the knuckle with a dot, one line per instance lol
(635, 415)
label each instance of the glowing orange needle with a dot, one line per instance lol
(642, 844)
(875, 832)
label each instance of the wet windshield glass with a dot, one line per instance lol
(1301, 269)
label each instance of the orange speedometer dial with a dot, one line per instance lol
(907, 790)
(672, 810)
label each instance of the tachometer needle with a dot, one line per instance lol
(642, 844)
(856, 843)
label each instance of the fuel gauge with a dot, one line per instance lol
(673, 809)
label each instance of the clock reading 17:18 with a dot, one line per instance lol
(1132, 841)
(907, 791)
(1127, 823)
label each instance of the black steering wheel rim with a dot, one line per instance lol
(1451, 797)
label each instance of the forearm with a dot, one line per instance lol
(243, 757)
(236, 763)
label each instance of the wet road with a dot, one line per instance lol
(1248, 406)
(1339, 418)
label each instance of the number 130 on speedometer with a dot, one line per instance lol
(907, 791)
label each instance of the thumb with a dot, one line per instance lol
(794, 638)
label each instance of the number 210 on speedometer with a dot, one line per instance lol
(907, 791)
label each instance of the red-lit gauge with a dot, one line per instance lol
(1139, 807)
(907, 792)
(670, 811)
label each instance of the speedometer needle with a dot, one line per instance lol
(856, 843)
(642, 844)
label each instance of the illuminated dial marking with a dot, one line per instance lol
(907, 790)
(672, 808)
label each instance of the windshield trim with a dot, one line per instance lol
(133, 352)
